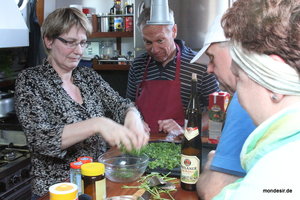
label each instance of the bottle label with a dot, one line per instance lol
(101, 189)
(190, 169)
(191, 132)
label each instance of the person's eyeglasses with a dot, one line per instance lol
(73, 44)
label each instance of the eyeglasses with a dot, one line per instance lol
(73, 44)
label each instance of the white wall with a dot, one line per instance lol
(96, 6)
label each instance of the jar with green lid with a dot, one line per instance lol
(93, 180)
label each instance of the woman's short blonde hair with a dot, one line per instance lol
(62, 20)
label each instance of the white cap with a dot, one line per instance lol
(215, 34)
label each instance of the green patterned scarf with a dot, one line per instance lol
(280, 129)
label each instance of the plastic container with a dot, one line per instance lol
(93, 180)
(63, 191)
(104, 23)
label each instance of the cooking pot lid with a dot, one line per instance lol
(4, 95)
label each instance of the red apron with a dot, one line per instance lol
(160, 99)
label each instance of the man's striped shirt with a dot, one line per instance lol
(207, 83)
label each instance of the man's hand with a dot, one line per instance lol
(170, 126)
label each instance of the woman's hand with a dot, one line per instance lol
(116, 134)
(135, 124)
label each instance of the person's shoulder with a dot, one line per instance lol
(31, 71)
(139, 61)
(184, 48)
(188, 54)
(141, 57)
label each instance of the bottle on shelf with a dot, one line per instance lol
(112, 19)
(191, 147)
(118, 6)
(128, 9)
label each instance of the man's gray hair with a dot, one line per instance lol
(145, 16)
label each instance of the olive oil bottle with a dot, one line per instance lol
(191, 147)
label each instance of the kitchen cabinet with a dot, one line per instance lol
(118, 40)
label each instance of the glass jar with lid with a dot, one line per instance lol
(107, 49)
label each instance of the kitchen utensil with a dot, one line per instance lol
(159, 13)
(6, 103)
(125, 197)
(104, 23)
(156, 181)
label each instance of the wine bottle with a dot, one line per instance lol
(191, 146)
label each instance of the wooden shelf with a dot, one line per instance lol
(111, 34)
(106, 67)
(7, 83)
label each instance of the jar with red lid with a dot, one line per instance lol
(75, 174)
(85, 159)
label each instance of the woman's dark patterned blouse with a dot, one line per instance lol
(44, 108)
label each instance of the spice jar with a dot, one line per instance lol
(63, 191)
(93, 180)
(75, 174)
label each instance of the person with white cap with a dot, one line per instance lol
(223, 166)
(159, 79)
(265, 50)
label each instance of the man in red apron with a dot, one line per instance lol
(160, 101)
(157, 78)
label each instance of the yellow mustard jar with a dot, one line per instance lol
(93, 180)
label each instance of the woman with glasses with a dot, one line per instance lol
(62, 107)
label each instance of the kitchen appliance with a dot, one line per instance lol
(192, 17)
(14, 32)
(14, 160)
(14, 172)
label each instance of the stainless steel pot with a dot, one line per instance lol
(6, 103)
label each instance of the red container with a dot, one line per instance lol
(218, 102)
(129, 24)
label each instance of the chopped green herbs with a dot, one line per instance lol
(164, 155)
(134, 152)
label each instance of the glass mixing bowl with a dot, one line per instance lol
(121, 167)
